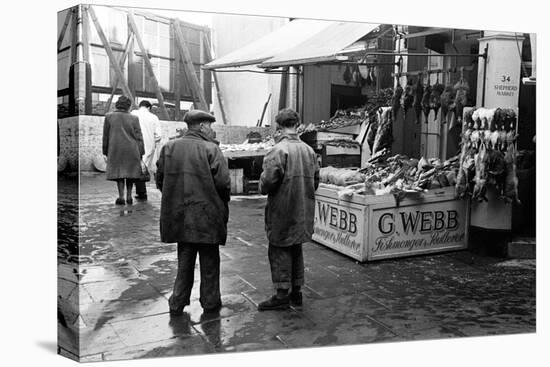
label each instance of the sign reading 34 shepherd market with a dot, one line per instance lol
(418, 228)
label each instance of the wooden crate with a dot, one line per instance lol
(370, 228)
(340, 157)
(315, 139)
(236, 175)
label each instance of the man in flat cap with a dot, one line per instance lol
(193, 177)
(290, 177)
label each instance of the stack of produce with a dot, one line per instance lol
(345, 143)
(488, 154)
(352, 116)
(248, 147)
(397, 175)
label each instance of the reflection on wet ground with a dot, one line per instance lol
(113, 290)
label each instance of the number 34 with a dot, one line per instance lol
(505, 78)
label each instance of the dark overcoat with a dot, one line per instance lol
(193, 176)
(290, 177)
(123, 145)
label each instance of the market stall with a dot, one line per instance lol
(395, 206)
(245, 162)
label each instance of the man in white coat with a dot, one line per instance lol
(150, 128)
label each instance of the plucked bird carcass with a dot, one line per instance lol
(461, 98)
(384, 134)
(396, 99)
(407, 98)
(418, 94)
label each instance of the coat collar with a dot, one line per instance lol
(200, 135)
(288, 136)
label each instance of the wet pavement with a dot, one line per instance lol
(122, 275)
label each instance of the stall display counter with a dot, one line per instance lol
(370, 227)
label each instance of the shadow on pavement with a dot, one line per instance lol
(49, 346)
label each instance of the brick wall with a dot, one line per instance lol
(80, 137)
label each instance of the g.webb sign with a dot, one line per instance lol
(391, 231)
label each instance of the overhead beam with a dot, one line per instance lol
(123, 57)
(215, 77)
(148, 65)
(427, 32)
(111, 56)
(196, 88)
(64, 28)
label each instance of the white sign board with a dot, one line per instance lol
(340, 226)
(415, 229)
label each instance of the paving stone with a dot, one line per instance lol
(253, 330)
(181, 346)
(98, 341)
(127, 275)
(152, 328)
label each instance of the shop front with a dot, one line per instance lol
(417, 141)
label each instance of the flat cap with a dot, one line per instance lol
(198, 116)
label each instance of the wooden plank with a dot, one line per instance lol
(196, 88)
(176, 79)
(215, 77)
(111, 56)
(85, 35)
(74, 36)
(127, 47)
(263, 111)
(283, 89)
(148, 65)
(64, 28)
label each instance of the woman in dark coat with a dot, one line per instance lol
(123, 146)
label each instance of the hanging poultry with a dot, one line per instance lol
(418, 94)
(396, 99)
(384, 137)
(371, 132)
(511, 179)
(461, 99)
(407, 98)
(447, 100)
(426, 101)
(435, 96)
(480, 181)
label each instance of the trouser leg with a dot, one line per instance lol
(187, 255)
(280, 261)
(209, 259)
(297, 266)
(141, 190)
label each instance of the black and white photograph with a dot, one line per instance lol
(234, 182)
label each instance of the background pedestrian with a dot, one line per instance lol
(123, 146)
(150, 129)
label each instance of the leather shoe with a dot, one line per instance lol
(213, 309)
(295, 298)
(274, 303)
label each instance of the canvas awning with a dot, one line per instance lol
(299, 42)
(323, 46)
(289, 35)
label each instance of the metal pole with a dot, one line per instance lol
(485, 53)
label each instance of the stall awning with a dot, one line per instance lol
(299, 42)
(323, 46)
(289, 35)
